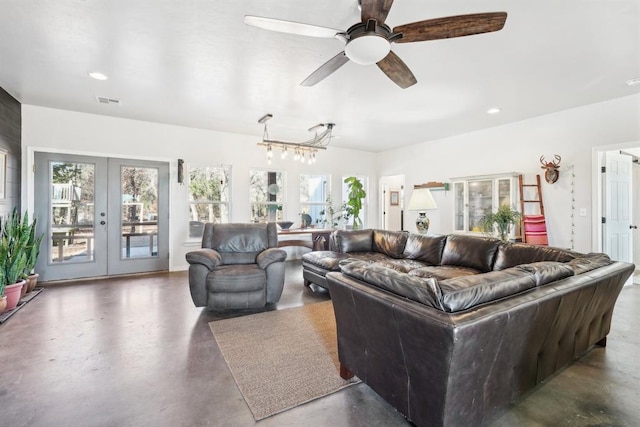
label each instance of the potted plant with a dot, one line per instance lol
(330, 216)
(17, 252)
(354, 200)
(13, 259)
(500, 221)
(33, 250)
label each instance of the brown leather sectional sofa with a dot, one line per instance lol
(452, 329)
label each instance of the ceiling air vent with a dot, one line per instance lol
(105, 100)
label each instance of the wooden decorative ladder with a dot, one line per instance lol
(534, 226)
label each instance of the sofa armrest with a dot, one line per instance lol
(269, 256)
(210, 258)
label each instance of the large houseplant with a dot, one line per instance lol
(500, 221)
(354, 200)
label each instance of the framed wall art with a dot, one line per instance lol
(394, 198)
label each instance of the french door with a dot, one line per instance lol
(100, 216)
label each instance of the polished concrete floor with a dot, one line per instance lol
(135, 352)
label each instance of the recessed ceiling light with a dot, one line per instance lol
(633, 82)
(98, 76)
(493, 111)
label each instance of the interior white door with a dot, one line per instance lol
(618, 227)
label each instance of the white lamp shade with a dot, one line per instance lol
(421, 200)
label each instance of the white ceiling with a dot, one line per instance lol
(195, 63)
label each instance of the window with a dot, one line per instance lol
(209, 196)
(313, 199)
(266, 195)
(345, 196)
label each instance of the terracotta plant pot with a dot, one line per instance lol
(32, 281)
(12, 292)
(23, 290)
(3, 304)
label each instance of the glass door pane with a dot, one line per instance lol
(71, 215)
(460, 205)
(139, 212)
(480, 202)
(504, 192)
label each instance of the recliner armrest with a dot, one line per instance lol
(210, 258)
(269, 256)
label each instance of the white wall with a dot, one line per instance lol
(517, 147)
(46, 129)
(514, 147)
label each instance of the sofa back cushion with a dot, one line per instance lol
(547, 271)
(465, 292)
(428, 249)
(470, 251)
(389, 243)
(587, 262)
(512, 254)
(352, 240)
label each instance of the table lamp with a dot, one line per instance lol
(422, 200)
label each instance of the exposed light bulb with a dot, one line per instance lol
(302, 158)
(269, 152)
(284, 153)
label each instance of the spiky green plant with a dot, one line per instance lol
(19, 248)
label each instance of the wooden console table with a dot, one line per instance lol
(319, 240)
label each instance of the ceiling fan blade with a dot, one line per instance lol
(290, 27)
(376, 9)
(452, 26)
(397, 70)
(326, 69)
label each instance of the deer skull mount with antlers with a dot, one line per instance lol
(552, 173)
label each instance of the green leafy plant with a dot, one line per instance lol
(500, 221)
(354, 200)
(330, 216)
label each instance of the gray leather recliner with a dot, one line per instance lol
(239, 266)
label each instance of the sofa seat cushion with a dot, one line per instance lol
(424, 291)
(426, 248)
(443, 272)
(470, 251)
(327, 260)
(237, 278)
(462, 293)
(512, 254)
(389, 243)
(402, 265)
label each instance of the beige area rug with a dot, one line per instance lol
(284, 358)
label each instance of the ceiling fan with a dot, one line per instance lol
(369, 41)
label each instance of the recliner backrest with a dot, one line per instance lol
(239, 243)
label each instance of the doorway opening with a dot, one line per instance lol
(392, 206)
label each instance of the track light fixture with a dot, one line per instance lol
(304, 151)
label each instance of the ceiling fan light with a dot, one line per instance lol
(367, 50)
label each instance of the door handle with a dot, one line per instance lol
(633, 227)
